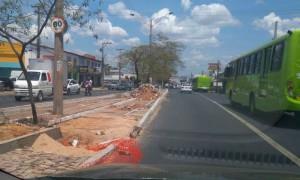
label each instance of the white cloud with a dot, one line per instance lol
(267, 23)
(201, 27)
(122, 11)
(260, 1)
(102, 28)
(134, 41)
(47, 35)
(186, 4)
(213, 15)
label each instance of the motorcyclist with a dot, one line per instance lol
(88, 87)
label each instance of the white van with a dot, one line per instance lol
(41, 85)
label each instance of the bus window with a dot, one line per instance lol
(246, 65)
(252, 64)
(235, 68)
(277, 57)
(258, 62)
(240, 66)
(267, 59)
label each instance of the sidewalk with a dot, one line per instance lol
(7, 93)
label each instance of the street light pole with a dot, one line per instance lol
(119, 63)
(38, 40)
(102, 63)
(150, 34)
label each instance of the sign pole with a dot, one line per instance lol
(58, 26)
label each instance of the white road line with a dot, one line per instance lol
(265, 137)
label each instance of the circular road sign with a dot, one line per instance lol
(58, 24)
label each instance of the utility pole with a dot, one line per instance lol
(38, 40)
(275, 29)
(217, 77)
(58, 63)
(119, 63)
(38, 50)
(150, 34)
(102, 63)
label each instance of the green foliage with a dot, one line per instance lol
(160, 61)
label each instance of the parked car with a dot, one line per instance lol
(124, 86)
(112, 85)
(7, 83)
(71, 87)
(1, 85)
(14, 76)
(186, 88)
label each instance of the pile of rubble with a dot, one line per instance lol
(145, 92)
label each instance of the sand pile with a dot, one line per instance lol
(145, 92)
(46, 144)
(9, 131)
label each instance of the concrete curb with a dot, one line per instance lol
(137, 129)
(98, 156)
(28, 139)
(77, 115)
(122, 103)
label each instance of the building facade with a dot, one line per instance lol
(79, 67)
(8, 59)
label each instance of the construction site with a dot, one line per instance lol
(89, 126)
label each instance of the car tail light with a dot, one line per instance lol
(49, 77)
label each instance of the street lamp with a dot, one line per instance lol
(119, 63)
(103, 45)
(153, 22)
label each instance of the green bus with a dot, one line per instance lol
(268, 78)
(202, 83)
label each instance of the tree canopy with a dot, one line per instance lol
(159, 63)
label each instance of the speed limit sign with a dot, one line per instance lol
(58, 24)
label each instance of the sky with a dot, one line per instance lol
(210, 30)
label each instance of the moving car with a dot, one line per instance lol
(186, 88)
(41, 85)
(71, 87)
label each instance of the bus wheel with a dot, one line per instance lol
(252, 107)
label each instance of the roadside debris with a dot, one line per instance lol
(46, 144)
(9, 131)
(145, 92)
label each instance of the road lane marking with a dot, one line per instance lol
(265, 137)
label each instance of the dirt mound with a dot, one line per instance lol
(145, 92)
(9, 131)
(46, 144)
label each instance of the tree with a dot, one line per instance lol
(15, 27)
(17, 20)
(135, 57)
(160, 65)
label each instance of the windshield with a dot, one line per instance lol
(179, 87)
(33, 76)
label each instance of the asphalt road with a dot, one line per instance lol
(189, 128)
(9, 100)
